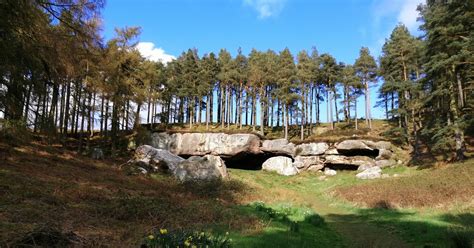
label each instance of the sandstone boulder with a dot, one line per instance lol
(281, 165)
(356, 161)
(311, 149)
(198, 144)
(97, 153)
(383, 145)
(348, 145)
(160, 141)
(371, 173)
(307, 162)
(332, 151)
(208, 167)
(384, 163)
(278, 146)
(148, 159)
(329, 172)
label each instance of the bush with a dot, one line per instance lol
(181, 238)
(315, 220)
(14, 131)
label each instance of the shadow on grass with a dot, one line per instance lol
(451, 230)
(286, 226)
(42, 188)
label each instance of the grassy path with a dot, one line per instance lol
(310, 192)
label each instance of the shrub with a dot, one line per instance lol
(315, 220)
(14, 131)
(181, 238)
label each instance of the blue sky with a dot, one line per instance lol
(338, 27)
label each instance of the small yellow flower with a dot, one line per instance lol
(226, 233)
(163, 231)
(150, 237)
(187, 243)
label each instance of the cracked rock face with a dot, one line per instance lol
(278, 146)
(149, 159)
(307, 162)
(311, 149)
(208, 167)
(280, 155)
(199, 144)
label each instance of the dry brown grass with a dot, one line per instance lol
(49, 186)
(440, 187)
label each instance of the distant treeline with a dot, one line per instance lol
(58, 76)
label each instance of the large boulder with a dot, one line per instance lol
(348, 145)
(160, 141)
(97, 153)
(383, 145)
(195, 168)
(384, 163)
(157, 159)
(307, 162)
(281, 165)
(278, 146)
(198, 144)
(329, 172)
(370, 173)
(311, 149)
(356, 161)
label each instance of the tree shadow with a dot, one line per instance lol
(450, 230)
(281, 229)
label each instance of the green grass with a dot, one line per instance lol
(43, 186)
(287, 226)
(411, 226)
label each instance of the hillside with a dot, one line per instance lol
(53, 196)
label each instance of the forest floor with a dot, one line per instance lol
(49, 194)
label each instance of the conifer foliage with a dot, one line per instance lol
(59, 77)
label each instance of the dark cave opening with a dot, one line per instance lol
(359, 152)
(249, 161)
(339, 167)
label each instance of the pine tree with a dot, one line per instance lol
(366, 70)
(287, 84)
(448, 64)
(304, 74)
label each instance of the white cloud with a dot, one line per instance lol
(408, 13)
(266, 8)
(403, 10)
(149, 51)
(386, 14)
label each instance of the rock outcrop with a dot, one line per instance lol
(278, 146)
(355, 161)
(157, 159)
(199, 144)
(311, 149)
(149, 160)
(281, 165)
(279, 155)
(312, 163)
(195, 168)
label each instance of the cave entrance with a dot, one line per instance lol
(339, 167)
(248, 161)
(359, 152)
